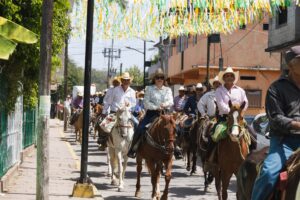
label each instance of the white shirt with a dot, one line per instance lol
(236, 94)
(206, 104)
(117, 98)
(154, 97)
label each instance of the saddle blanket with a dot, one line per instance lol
(108, 123)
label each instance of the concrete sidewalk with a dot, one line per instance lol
(63, 170)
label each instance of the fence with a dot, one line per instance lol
(29, 127)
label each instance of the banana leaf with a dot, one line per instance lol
(7, 47)
(15, 32)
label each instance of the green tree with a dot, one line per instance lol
(138, 77)
(23, 65)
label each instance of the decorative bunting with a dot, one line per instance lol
(153, 18)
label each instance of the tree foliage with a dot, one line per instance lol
(138, 77)
(23, 65)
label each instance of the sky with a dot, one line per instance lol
(128, 57)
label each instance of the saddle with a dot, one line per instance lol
(74, 117)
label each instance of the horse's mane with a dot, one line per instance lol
(293, 163)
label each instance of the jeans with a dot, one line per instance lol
(135, 122)
(281, 148)
(149, 117)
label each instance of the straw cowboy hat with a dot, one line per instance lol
(228, 70)
(181, 88)
(80, 94)
(116, 78)
(126, 76)
(212, 80)
(199, 85)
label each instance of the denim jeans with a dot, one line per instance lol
(281, 148)
(149, 118)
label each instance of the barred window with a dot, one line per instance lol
(254, 98)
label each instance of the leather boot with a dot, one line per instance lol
(134, 145)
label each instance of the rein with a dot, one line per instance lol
(154, 144)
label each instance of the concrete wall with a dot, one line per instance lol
(278, 35)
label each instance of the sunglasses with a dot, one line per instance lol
(159, 78)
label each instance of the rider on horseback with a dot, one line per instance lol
(117, 97)
(228, 91)
(283, 110)
(77, 106)
(157, 97)
(207, 105)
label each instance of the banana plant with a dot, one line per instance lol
(11, 34)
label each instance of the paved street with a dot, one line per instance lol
(64, 165)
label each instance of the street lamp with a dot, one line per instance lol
(144, 53)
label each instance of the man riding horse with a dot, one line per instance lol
(119, 96)
(228, 91)
(283, 111)
(77, 106)
(158, 97)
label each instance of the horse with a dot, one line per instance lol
(78, 126)
(118, 145)
(157, 149)
(203, 134)
(232, 150)
(96, 118)
(248, 173)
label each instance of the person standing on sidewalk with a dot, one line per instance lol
(283, 111)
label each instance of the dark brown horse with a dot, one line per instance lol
(96, 118)
(203, 135)
(232, 150)
(157, 150)
(248, 172)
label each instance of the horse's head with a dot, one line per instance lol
(124, 121)
(166, 131)
(235, 118)
(98, 109)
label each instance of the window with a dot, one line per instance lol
(248, 78)
(195, 40)
(254, 98)
(281, 16)
(265, 27)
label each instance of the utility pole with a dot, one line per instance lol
(42, 177)
(121, 66)
(66, 83)
(111, 53)
(84, 188)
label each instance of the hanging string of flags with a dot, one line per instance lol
(152, 18)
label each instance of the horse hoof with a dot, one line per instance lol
(192, 172)
(164, 197)
(188, 168)
(120, 189)
(137, 194)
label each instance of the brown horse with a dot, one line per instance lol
(157, 150)
(232, 150)
(248, 172)
(203, 134)
(78, 127)
(95, 119)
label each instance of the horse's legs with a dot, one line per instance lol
(113, 165)
(120, 170)
(225, 178)
(218, 184)
(125, 160)
(139, 166)
(109, 164)
(157, 172)
(194, 167)
(152, 168)
(188, 155)
(168, 177)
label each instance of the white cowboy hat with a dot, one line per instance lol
(181, 88)
(199, 85)
(212, 80)
(228, 70)
(80, 94)
(126, 76)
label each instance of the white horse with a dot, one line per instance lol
(118, 146)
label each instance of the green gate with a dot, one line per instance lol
(29, 127)
(3, 145)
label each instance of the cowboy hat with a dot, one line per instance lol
(199, 85)
(116, 78)
(80, 94)
(158, 72)
(140, 94)
(126, 76)
(228, 70)
(212, 80)
(292, 53)
(181, 88)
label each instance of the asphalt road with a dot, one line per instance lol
(182, 185)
